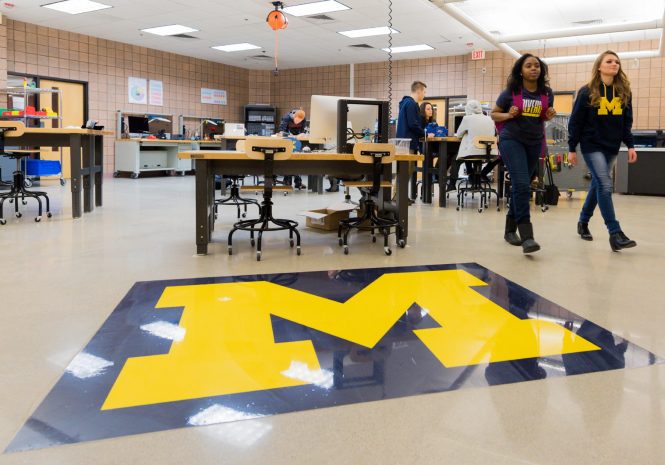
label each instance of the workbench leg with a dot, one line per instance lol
(202, 207)
(403, 197)
(75, 167)
(443, 174)
(88, 163)
(99, 164)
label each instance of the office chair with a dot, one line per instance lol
(377, 155)
(16, 128)
(268, 150)
(234, 198)
(474, 183)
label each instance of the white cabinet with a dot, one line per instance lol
(138, 155)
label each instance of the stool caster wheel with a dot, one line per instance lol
(244, 215)
(252, 242)
(457, 208)
(346, 250)
(480, 210)
(49, 214)
(291, 243)
(544, 209)
(19, 214)
(401, 243)
(38, 219)
(498, 209)
(62, 182)
(230, 249)
(298, 251)
(116, 174)
(340, 241)
(258, 256)
(3, 221)
(24, 202)
(387, 251)
(285, 194)
(373, 238)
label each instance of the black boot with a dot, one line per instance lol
(529, 245)
(583, 231)
(510, 235)
(619, 241)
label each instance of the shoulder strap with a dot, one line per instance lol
(545, 103)
(518, 99)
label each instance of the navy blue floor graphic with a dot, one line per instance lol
(213, 350)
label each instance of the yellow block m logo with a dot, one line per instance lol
(614, 106)
(229, 347)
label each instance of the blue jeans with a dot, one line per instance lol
(522, 163)
(600, 191)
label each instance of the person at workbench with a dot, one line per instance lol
(293, 123)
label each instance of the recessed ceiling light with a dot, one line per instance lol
(372, 31)
(236, 47)
(315, 8)
(171, 30)
(409, 48)
(75, 7)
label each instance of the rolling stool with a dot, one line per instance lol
(234, 198)
(377, 155)
(18, 189)
(268, 150)
(477, 185)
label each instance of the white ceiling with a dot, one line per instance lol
(308, 42)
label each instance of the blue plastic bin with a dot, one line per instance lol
(42, 167)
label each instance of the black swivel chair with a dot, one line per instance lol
(234, 198)
(268, 150)
(377, 155)
(18, 190)
(474, 183)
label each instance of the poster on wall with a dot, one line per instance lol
(213, 96)
(137, 90)
(156, 93)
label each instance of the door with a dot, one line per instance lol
(70, 106)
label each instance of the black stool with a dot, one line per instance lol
(377, 155)
(476, 184)
(18, 189)
(235, 199)
(268, 150)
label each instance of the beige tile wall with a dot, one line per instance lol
(259, 87)
(106, 65)
(293, 88)
(3, 58)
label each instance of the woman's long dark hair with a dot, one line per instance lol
(515, 79)
(423, 118)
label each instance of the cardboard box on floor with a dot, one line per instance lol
(327, 219)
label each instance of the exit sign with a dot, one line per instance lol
(478, 55)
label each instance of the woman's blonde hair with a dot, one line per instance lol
(621, 83)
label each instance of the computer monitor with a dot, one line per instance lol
(323, 118)
(138, 124)
(361, 113)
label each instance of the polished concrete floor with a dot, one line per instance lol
(62, 278)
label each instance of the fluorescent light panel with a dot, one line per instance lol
(409, 48)
(236, 47)
(315, 8)
(75, 7)
(372, 31)
(170, 30)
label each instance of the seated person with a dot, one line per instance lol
(293, 124)
(475, 124)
